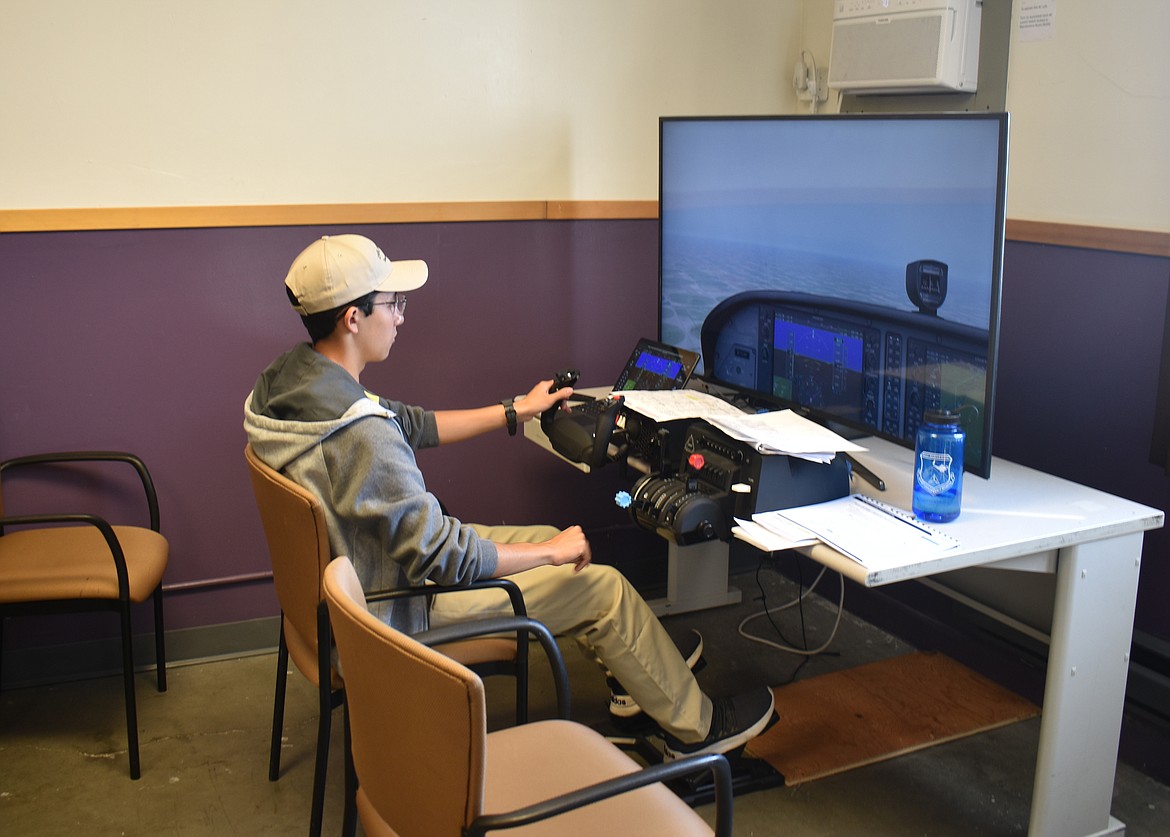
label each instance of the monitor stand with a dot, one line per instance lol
(696, 579)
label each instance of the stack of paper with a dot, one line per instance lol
(772, 533)
(668, 405)
(777, 432)
(786, 432)
(876, 535)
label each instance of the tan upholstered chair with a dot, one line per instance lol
(78, 561)
(298, 546)
(427, 767)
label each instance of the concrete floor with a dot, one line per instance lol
(63, 766)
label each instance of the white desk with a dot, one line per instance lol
(1026, 521)
(1020, 520)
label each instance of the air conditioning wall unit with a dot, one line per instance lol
(905, 46)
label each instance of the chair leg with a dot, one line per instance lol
(521, 680)
(325, 704)
(278, 706)
(324, 722)
(128, 684)
(349, 819)
(160, 649)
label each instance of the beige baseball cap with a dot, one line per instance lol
(337, 269)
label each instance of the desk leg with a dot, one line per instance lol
(1088, 663)
(696, 579)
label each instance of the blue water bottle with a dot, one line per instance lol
(938, 466)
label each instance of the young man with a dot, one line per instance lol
(310, 418)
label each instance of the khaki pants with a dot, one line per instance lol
(600, 610)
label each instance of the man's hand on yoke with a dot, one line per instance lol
(540, 399)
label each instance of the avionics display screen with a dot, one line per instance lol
(657, 367)
(847, 265)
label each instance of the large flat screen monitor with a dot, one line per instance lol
(848, 266)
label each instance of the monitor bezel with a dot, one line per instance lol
(978, 467)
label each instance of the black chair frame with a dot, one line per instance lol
(122, 603)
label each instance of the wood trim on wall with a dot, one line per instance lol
(603, 210)
(1144, 242)
(177, 217)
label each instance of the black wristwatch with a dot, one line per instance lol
(510, 414)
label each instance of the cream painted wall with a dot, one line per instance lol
(162, 102)
(169, 102)
(1090, 112)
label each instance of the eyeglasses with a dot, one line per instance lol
(398, 302)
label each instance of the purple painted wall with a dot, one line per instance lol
(1081, 347)
(150, 340)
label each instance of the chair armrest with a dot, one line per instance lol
(95, 456)
(509, 624)
(515, 597)
(106, 530)
(508, 586)
(666, 771)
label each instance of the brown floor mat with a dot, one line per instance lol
(835, 722)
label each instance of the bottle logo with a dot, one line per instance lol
(935, 474)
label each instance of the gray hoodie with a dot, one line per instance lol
(309, 419)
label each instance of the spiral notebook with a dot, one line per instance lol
(875, 534)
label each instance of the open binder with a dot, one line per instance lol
(875, 534)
